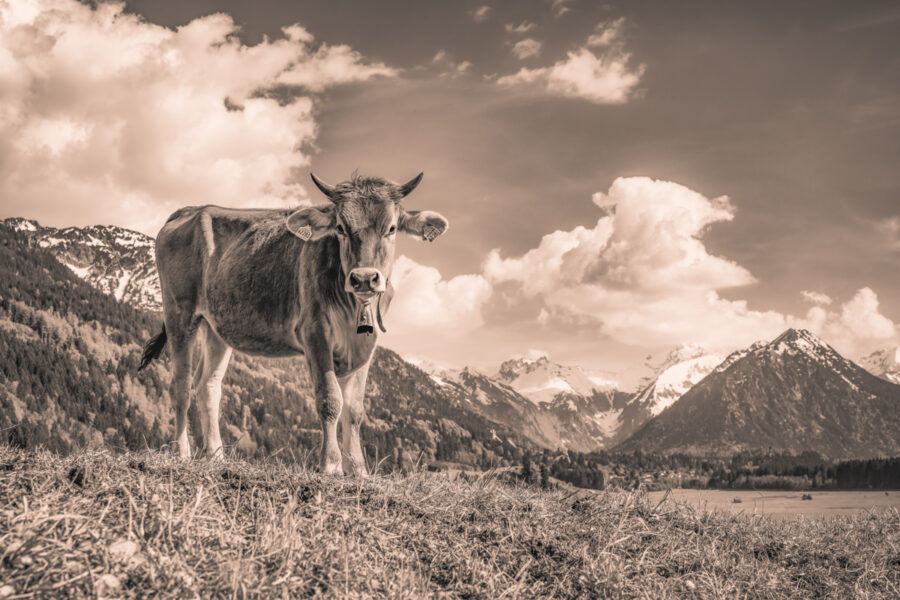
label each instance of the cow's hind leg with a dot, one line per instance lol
(215, 357)
(353, 388)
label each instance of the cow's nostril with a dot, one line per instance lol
(354, 280)
(375, 278)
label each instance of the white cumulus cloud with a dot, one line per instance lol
(105, 117)
(856, 328)
(526, 48)
(603, 75)
(426, 302)
(643, 276)
(607, 34)
(816, 297)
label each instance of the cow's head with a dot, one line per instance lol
(365, 214)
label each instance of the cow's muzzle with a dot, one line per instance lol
(365, 282)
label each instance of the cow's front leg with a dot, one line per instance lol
(353, 387)
(328, 404)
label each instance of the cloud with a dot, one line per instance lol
(449, 67)
(816, 297)
(559, 7)
(602, 77)
(889, 231)
(857, 328)
(108, 118)
(480, 14)
(425, 302)
(521, 28)
(526, 48)
(606, 34)
(642, 276)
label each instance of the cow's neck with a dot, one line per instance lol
(351, 349)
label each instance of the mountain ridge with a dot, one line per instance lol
(793, 394)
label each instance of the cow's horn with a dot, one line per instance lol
(407, 188)
(328, 190)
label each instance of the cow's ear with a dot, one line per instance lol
(425, 225)
(312, 223)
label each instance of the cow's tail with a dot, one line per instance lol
(153, 348)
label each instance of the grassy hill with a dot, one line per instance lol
(136, 524)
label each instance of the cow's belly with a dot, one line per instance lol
(260, 343)
(252, 332)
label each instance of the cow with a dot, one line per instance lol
(284, 282)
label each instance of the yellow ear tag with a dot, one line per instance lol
(304, 232)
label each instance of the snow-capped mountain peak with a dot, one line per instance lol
(675, 378)
(117, 261)
(884, 363)
(799, 340)
(542, 380)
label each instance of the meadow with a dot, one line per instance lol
(132, 525)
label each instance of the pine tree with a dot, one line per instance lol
(527, 468)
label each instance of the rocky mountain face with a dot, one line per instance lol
(793, 394)
(116, 261)
(678, 372)
(541, 380)
(884, 363)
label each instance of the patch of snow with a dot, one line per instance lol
(438, 380)
(123, 283)
(49, 241)
(674, 381)
(82, 272)
(603, 383)
(25, 225)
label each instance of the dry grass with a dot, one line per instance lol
(136, 525)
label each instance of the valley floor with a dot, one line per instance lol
(785, 504)
(135, 525)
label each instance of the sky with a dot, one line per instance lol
(620, 178)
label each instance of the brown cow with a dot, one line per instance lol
(284, 283)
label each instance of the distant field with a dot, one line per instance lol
(784, 504)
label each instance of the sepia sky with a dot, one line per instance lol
(620, 178)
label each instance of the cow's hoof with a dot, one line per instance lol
(214, 455)
(355, 469)
(331, 469)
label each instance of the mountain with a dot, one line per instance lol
(682, 368)
(570, 421)
(541, 380)
(68, 379)
(116, 261)
(678, 372)
(884, 363)
(793, 394)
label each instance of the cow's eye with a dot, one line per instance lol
(341, 230)
(392, 230)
